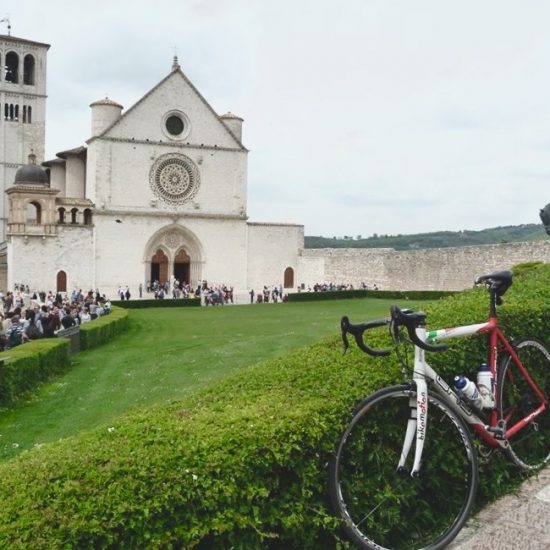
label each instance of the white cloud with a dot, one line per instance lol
(364, 116)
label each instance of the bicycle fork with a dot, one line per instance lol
(418, 418)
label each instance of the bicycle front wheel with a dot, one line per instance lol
(383, 508)
(529, 448)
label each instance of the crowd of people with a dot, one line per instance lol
(26, 315)
(326, 287)
(267, 294)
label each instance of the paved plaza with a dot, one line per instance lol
(520, 520)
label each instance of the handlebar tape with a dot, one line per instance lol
(357, 331)
(411, 321)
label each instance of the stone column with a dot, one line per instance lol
(195, 273)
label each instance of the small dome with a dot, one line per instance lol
(230, 115)
(106, 101)
(31, 173)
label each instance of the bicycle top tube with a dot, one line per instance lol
(462, 331)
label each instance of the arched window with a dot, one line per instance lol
(28, 70)
(24, 113)
(87, 217)
(34, 213)
(289, 277)
(74, 212)
(16, 112)
(6, 111)
(61, 212)
(29, 114)
(11, 70)
(11, 117)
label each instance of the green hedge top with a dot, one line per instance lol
(241, 464)
(361, 293)
(166, 302)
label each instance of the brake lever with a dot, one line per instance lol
(344, 324)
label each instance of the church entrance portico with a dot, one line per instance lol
(173, 253)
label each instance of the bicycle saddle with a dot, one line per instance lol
(499, 281)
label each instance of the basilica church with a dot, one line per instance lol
(157, 192)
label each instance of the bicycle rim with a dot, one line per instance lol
(529, 448)
(382, 508)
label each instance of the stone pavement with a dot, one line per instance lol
(517, 521)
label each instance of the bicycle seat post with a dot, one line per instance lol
(493, 297)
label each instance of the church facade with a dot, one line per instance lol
(159, 192)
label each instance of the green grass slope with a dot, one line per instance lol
(165, 354)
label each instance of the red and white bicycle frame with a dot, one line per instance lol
(423, 375)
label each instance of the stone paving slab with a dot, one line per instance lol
(518, 521)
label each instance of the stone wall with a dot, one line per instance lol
(428, 269)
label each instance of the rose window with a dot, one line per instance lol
(174, 178)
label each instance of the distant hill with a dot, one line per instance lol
(439, 239)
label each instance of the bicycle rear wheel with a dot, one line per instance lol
(382, 508)
(529, 448)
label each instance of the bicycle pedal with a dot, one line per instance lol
(402, 471)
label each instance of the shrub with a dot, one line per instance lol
(37, 361)
(30, 364)
(103, 329)
(168, 302)
(241, 464)
(361, 293)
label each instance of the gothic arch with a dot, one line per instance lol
(28, 69)
(61, 281)
(183, 250)
(289, 277)
(34, 212)
(11, 69)
(87, 216)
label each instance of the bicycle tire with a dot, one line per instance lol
(530, 447)
(381, 508)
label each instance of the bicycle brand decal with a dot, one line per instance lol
(423, 408)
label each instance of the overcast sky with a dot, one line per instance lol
(361, 116)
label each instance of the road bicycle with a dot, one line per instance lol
(408, 459)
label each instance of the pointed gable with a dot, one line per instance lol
(174, 104)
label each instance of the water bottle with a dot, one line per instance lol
(468, 390)
(485, 383)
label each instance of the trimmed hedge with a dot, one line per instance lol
(361, 293)
(31, 364)
(35, 362)
(103, 329)
(166, 302)
(243, 463)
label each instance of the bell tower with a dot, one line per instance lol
(22, 110)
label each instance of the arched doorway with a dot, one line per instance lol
(159, 267)
(61, 281)
(289, 277)
(173, 251)
(182, 264)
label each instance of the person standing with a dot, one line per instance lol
(251, 296)
(140, 290)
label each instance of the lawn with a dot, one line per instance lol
(166, 353)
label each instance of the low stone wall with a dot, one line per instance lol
(427, 269)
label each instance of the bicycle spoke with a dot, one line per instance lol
(392, 509)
